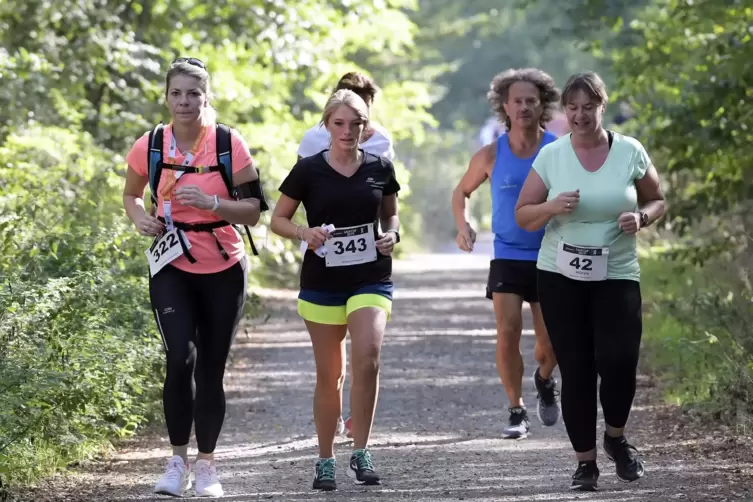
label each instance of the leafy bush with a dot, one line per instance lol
(80, 360)
(697, 334)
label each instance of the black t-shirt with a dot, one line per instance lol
(330, 198)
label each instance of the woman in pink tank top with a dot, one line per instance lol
(197, 262)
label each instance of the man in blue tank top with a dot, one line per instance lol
(524, 100)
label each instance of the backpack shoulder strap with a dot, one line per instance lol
(224, 148)
(225, 155)
(154, 160)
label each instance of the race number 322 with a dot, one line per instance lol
(164, 245)
(164, 250)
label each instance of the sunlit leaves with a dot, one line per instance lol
(466, 43)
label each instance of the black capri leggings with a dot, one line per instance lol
(197, 316)
(595, 329)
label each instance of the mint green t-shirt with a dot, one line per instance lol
(604, 195)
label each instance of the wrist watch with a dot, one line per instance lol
(216, 203)
(397, 234)
(644, 219)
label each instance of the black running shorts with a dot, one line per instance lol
(517, 277)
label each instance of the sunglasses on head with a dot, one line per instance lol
(191, 61)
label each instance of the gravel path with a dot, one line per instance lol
(439, 418)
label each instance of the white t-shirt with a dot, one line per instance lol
(317, 139)
(490, 131)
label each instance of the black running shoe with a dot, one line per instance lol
(586, 476)
(324, 475)
(361, 469)
(518, 425)
(625, 457)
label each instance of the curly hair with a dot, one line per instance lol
(499, 89)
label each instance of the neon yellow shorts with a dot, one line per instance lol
(334, 308)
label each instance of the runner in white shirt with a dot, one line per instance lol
(375, 140)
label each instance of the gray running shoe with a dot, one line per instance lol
(548, 409)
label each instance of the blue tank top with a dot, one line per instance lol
(508, 175)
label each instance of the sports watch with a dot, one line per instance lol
(644, 219)
(397, 234)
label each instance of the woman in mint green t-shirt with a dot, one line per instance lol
(592, 190)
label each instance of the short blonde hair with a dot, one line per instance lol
(348, 98)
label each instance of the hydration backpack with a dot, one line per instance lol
(224, 166)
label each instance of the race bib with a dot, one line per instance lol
(351, 246)
(582, 263)
(165, 250)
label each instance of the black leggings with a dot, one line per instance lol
(595, 329)
(197, 316)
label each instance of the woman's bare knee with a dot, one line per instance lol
(367, 332)
(367, 361)
(329, 347)
(330, 378)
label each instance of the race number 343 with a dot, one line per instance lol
(351, 246)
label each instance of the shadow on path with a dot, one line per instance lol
(439, 419)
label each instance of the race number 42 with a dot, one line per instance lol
(582, 263)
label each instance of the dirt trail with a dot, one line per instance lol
(439, 418)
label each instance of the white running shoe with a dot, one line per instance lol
(340, 426)
(207, 484)
(176, 479)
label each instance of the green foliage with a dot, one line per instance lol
(700, 95)
(465, 44)
(79, 357)
(697, 333)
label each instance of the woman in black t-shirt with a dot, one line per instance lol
(346, 275)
